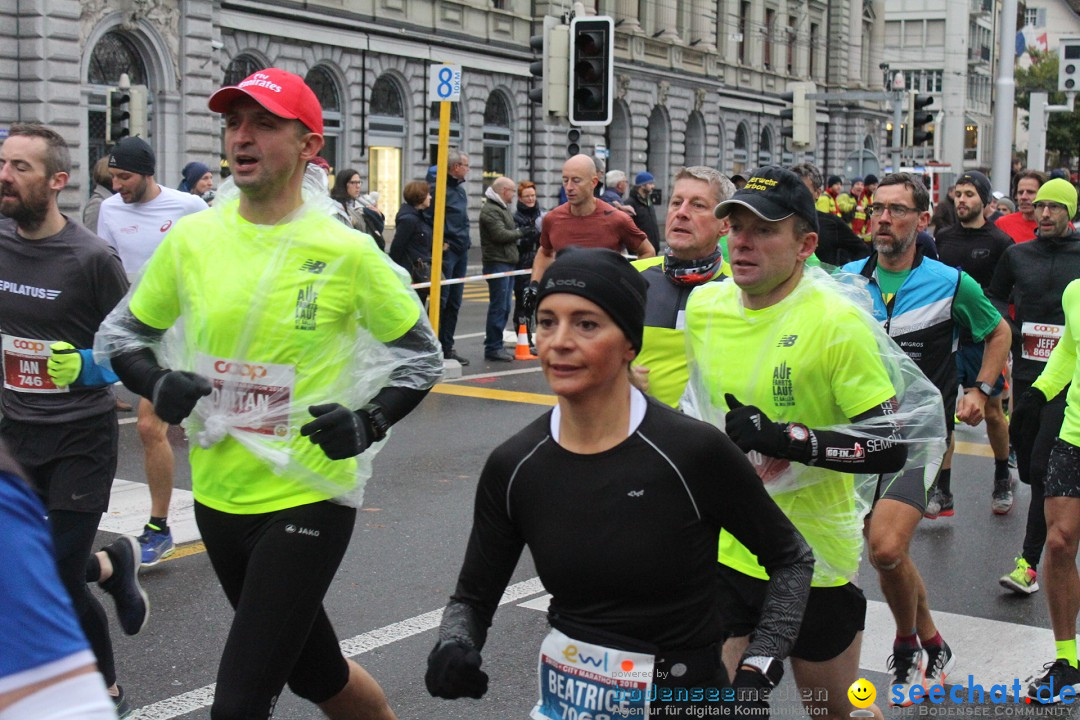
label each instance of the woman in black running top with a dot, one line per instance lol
(620, 500)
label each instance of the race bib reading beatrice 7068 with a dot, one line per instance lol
(581, 681)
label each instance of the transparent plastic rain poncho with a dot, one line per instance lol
(834, 531)
(266, 374)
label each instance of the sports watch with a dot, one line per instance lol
(985, 388)
(376, 421)
(771, 668)
(799, 435)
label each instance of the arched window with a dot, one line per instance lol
(695, 140)
(765, 150)
(325, 88)
(741, 155)
(386, 142)
(240, 67)
(433, 130)
(496, 138)
(115, 54)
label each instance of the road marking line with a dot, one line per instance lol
(977, 449)
(204, 697)
(501, 373)
(493, 394)
(992, 651)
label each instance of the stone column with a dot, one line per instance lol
(667, 21)
(703, 25)
(626, 16)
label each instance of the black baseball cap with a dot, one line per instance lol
(773, 193)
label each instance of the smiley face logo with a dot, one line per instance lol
(862, 693)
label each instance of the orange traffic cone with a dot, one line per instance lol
(521, 351)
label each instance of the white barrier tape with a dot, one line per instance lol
(459, 281)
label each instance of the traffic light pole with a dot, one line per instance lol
(897, 133)
(1037, 122)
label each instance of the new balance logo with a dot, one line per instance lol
(636, 493)
(787, 341)
(313, 266)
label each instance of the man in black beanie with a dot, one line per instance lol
(134, 221)
(975, 246)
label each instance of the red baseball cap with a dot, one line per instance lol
(281, 92)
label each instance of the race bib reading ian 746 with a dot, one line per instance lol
(581, 681)
(26, 365)
(253, 397)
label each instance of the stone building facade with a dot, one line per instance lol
(698, 81)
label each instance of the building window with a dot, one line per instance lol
(496, 138)
(240, 67)
(433, 130)
(386, 128)
(790, 38)
(741, 154)
(971, 141)
(115, 54)
(767, 38)
(765, 151)
(815, 40)
(744, 32)
(322, 83)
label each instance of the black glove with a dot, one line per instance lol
(176, 393)
(752, 692)
(1024, 427)
(750, 429)
(340, 432)
(454, 672)
(528, 298)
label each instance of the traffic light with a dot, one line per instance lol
(592, 71)
(117, 115)
(552, 68)
(1069, 64)
(917, 118)
(801, 114)
(573, 138)
(137, 109)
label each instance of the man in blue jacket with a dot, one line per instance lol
(456, 245)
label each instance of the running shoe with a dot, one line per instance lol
(939, 663)
(156, 546)
(1012, 457)
(1002, 501)
(1059, 675)
(908, 671)
(1022, 580)
(121, 704)
(938, 504)
(132, 604)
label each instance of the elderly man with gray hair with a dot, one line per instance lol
(615, 187)
(837, 244)
(693, 258)
(499, 236)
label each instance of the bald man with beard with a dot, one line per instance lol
(584, 220)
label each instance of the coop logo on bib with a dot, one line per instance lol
(26, 365)
(254, 397)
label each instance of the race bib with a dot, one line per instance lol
(255, 397)
(769, 469)
(582, 681)
(1040, 339)
(26, 365)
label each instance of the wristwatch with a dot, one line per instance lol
(771, 668)
(985, 388)
(799, 435)
(376, 421)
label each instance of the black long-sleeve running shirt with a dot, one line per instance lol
(626, 540)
